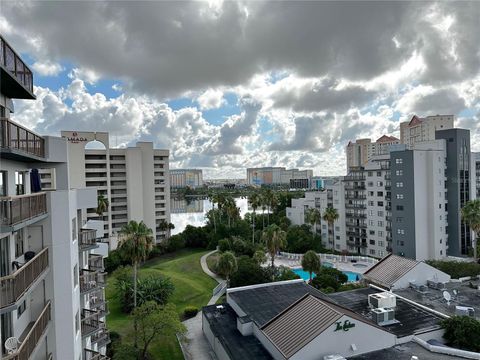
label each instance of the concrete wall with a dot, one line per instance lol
(217, 347)
(420, 274)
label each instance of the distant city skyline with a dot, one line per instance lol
(230, 85)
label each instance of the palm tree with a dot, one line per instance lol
(227, 265)
(471, 215)
(170, 227)
(232, 211)
(135, 243)
(254, 200)
(275, 239)
(330, 216)
(163, 226)
(259, 257)
(102, 205)
(271, 200)
(313, 217)
(311, 263)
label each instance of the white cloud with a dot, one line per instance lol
(47, 68)
(211, 99)
(87, 75)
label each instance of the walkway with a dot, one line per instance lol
(195, 346)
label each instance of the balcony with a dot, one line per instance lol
(91, 323)
(95, 262)
(19, 143)
(355, 196)
(87, 239)
(12, 287)
(356, 215)
(93, 355)
(355, 187)
(101, 338)
(31, 339)
(17, 209)
(354, 177)
(16, 77)
(91, 280)
(355, 206)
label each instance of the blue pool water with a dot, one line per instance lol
(352, 276)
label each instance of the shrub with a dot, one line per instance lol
(248, 273)
(156, 251)
(113, 261)
(456, 269)
(462, 332)
(189, 312)
(224, 245)
(174, 243)
(329, 278)
(195, 237)
(125, 352)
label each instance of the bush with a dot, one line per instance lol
(241, 247)
(113, 261)
(462, 332)
(329, 278)
(283, 273)
(195, 237)
(456, 269)
(174, 243)
(189, 312)
(248, 273)
(224, 245)
(299, 240)
(156, 251)
(125, 352)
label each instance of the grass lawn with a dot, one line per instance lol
(192, 287)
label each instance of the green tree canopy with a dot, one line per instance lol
(274, 239)
(227, 264)
(311, 262)
(471, 215)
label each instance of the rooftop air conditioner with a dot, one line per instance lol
(383, 316)
(465, 311)
(382, 300)
(441, 286)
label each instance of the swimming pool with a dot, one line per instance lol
(352, 276)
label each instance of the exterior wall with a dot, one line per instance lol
(276, 175)
(364, 337)
(180, 178)
(267, 344)
(420, 274)
(425, 129)
(217, 347)
(476, 166)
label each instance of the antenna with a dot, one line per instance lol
(447, 297)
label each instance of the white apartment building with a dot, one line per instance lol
(135, 180)
(52, 302)
(362, 150)
(332, 196)
(423, 129)
(279, 176)
(476, 168)
(181, 178)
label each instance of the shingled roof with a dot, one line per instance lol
(390, 269)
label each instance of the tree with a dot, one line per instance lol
(329, 278)
(259, 257)
(311, 263)
(330, 216)
(227, 265)
(274, 239)
(102, 205)
(135, 242)
(166, 227)
(248, 273)
(471, 215)
(254, 200)
(313, 217)
(156, 321)
(462, 332)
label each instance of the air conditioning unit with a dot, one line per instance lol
(382, 300)
(420, 288)
(383, 316)
(441, 286)
(465, 311)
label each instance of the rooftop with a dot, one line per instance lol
(224, 326)
(390, 269)
(263, 303)
(411, 319)
(433, 298)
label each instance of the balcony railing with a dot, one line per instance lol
(31, 340)
(95, 262)
(101, 338)
(355, 206)
(355, 187)
(91, 280)
(17, 137)
(13, 286)
(87, 239)
(356, 215)
(91, 323)
(355, 196)
(93, 355)
(14, 64)
(15, 209)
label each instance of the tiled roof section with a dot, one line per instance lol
(388, 270)
(415, 121)
(300, 324)
(387, 138)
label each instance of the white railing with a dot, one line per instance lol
(332, 258)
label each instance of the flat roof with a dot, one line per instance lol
(263, 303)
(433, 298)
(404, 352)
(224, 326)
(412, 319)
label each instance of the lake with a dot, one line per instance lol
(192, 212)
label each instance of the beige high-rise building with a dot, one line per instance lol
(363, 150)
(423, 129)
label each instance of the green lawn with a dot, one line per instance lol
(192, 287)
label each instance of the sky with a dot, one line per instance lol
(226, 85)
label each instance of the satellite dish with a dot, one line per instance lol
(447, 297)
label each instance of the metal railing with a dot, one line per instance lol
(95, 262)
(13, 286)
(332, 257)
(87, 238)
(355, 206)
(90, 280)
(16, 137)
(101, 338)
(15, 209)
(31, 340)
(93, 355)
(14, 64)
(91, 322)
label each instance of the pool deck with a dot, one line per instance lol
(339, 265)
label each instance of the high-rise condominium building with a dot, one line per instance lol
(52, 301)
(135, 180)
(423, 129)
(279, 176)
(362, 150)
(181, 178)
(476, 166)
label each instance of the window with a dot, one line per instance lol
(398, 161)
(371, 203)
(370, 184)
(372, 232)
(379, 183)
(380, 223)
(380, 213)
(370, 173)
(401, 231)
(19, 182)
(379, 173)
(3, 183)
(379, 203)
(371, 222)
(75, 275)
(380, 243)
(372, 251)
(74, 229)
(399, 172)
(379, 193)
(372, 242)
(400, 207)
(399, 219)
(21, 309)
(19, 249)
(399, 184)
(337, 228)
(380, 233)
(370, 212)
(371, 193)
(400, 196)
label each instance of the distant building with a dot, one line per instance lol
(182, 206)
(423, 129)
(476, 166)
(278, 176)
(181, 178)
(362, 150)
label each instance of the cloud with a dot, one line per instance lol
(211, 99)
(47, 68)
